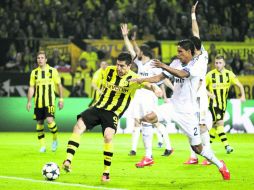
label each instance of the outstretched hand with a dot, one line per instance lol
(158, 64)
(124, 28)
(193, 9)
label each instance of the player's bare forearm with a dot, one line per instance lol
(240, 86)
(154, 79)
(176, 72)
(30, 93)
(195, 28)
(127, 42)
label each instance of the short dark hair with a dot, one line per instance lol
(125, 56)
(146, 50)
(196, 41)
(187, 45)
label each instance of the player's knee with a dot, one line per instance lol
(49, 120)
(79, 127)
(197, 149)
(151, 118)
(108, 135)
(203, 128)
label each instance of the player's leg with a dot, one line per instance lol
(189, 125)
(39, 116)
(159, 137)
(41, 135)
(163, 131)
(205, 139)
(212, 131)
(135, 137)
(73, 143)
(108, 152)
(147, 134)
(50, 112)
(223, 137)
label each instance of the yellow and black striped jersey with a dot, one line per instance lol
(44, 83)
(117, 91)
(97, 79)
(219, 83)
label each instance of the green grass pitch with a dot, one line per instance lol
(21, 164)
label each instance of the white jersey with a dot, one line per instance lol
(184, 98)
(202, 61)
(146, 70)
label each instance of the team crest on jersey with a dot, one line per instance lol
(214, 85)
(126, 83)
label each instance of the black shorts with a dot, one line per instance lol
(217, 113)
(95, 116)
(43, 113)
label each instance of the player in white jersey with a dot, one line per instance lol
(183, 105)
(144, 101)
(205, 121)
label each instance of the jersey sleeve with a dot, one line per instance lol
(56, 77)
(233, 78)
(32, 79)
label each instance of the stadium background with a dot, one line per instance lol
(75, 45)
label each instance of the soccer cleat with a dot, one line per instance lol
(206, 163)
(229, 149)
(105, 177)
(224, 171)
(43, 149)
(145, 162)
(67, 165)
(54, 145)
(132, 153)
(160, 144)
(191, 161)
(168, 152)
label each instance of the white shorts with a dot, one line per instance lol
(188, 122)
(143, 104)
(205, 116)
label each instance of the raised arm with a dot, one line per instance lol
(127, 42)
(133, 39)
(194, 24)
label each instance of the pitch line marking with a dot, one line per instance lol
(59, 183)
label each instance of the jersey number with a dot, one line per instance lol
(51, 109)
(195, 131)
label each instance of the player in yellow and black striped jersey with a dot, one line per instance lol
(42, 84)
(117, 92)
(218, 82)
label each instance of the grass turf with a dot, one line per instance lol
(19, 157)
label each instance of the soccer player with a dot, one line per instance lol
(117, 92)
(145, 101)
(183, 104)
(96, 82)
(201, 57)
(218, 82)
(42, 83)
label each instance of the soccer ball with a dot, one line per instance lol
(50, 171)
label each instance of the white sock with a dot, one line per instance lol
(159, 135)
(210, 156)
(135, 138)
(205, 138)
(163, 131)
(147, 131)
(193, 154)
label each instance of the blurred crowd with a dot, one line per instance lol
(30, 21)
(230, 20)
